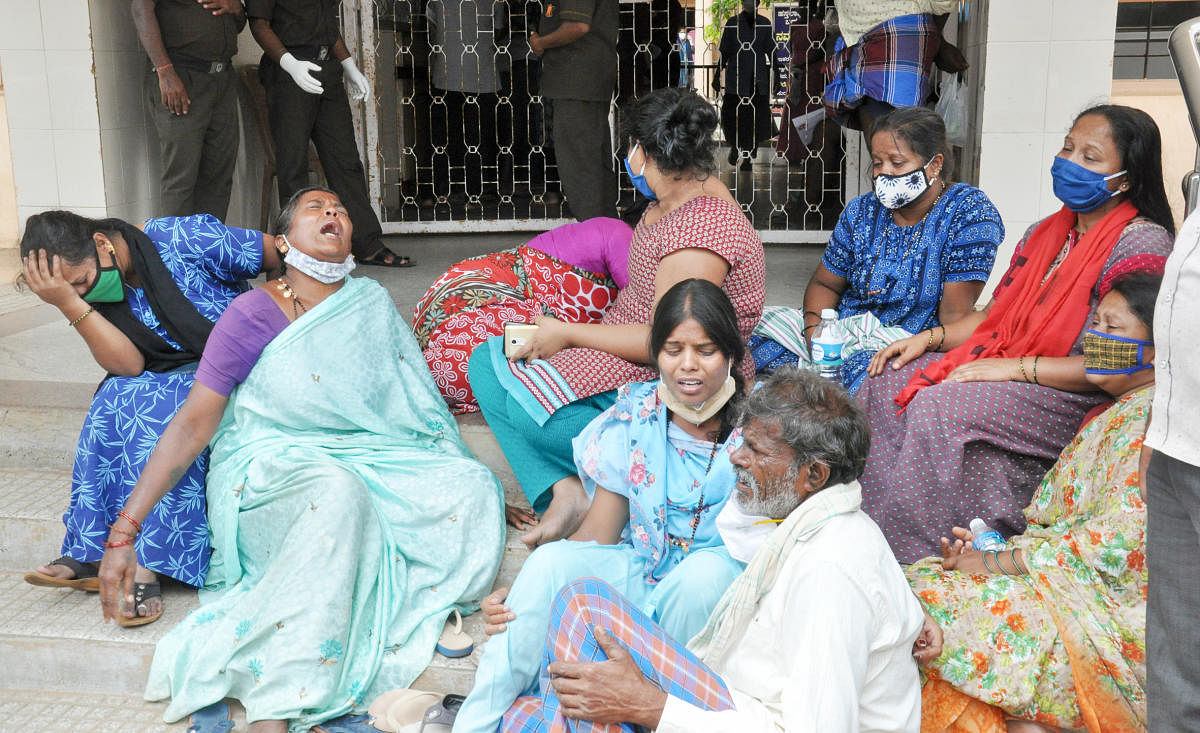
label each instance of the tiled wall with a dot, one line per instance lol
(1047, 60)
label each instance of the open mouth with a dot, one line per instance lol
(331, 230)
(689, 386)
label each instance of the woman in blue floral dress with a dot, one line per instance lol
(144, 300)
(657, 465)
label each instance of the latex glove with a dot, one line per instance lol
(302, 72)
(360, 88)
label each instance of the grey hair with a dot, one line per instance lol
(817, 419)
(283, 222)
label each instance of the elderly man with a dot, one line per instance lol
(818, 632)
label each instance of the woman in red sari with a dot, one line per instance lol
(968, 433)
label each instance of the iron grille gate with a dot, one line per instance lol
(458, 138)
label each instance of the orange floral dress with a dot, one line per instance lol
(1065, 645)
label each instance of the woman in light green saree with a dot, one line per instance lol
(347, 516)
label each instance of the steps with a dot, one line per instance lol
(53, 642)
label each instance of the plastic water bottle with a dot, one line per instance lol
(828, 342)
(984, 537)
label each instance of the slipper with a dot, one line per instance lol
(454, 642)
(398, 709)
(348, 723)
(85, 576)
(215, 718)
(439, 718)
(142, 591)
(379, 259)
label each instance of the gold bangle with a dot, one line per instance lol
(1035, 379)
(942, 340)
(930, 341)
(86, 313)
(1021, 366)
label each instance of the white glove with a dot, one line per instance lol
(360, 88)
(302, 72)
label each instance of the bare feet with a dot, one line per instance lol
(564, 515)
(268, 726)
(519, 517)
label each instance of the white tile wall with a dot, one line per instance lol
(34, 167)
(80, 169)
(72, 90)
(65, 25)
(22, 26)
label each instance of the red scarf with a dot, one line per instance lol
(1030, 317)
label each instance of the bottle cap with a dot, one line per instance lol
(828, 313)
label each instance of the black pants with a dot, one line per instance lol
(583, 149)
(296, 117)
(198, 149)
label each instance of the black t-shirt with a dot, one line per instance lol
(299, 22)
(587, 68)
(747, 46)
(190, 30)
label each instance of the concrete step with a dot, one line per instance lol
(46, 711)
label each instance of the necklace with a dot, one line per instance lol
(285, 289)
(686, 545)
(913, 239)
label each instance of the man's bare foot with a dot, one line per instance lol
(268, 726)
(152, 605)
(519, 517)
(564, 515)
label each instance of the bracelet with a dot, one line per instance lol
(812, 313)
(86, 313)
(164, 66)
(808, 327)
(985, 560)
(930, 341)
(129, 518)
(1012, 554)
(114, 530)
(122, 543)
(1035, 361)
(1021, 366)
(942, 340)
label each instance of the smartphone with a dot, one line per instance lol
(516, 335)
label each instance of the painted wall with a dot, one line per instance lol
(1163, 100)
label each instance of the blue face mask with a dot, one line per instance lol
(1081, 189)
(639, 180)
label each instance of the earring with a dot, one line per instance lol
(283, 248)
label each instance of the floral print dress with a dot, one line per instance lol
(1065, 645)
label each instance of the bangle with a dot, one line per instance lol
(985, 560)
(1021, 366)
(129, 518)
(942, 340)
(86, 313)
(1012, 554)
(164, 66)
(930, 341)
(812, 313)
(122, 543)
(1035, 361)
(806, 328)
(114, 530)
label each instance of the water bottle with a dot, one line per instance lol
(828, 341)
(984, 537)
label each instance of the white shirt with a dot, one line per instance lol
(1175, 417)
(856, 17)
(830, 646)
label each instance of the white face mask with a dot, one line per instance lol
(743, 533)
(326, 272)
(699, 413)
(901, 190)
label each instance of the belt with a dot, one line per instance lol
(204, 67)
(314, 53)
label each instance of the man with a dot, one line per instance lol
(1173, 494)
(192, 92)
(817, 634)
(303, 64)
(687, 57)
(578, 47)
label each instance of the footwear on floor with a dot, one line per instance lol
(397, 710)
(346, 724)
(454, 642)
(215, 718)
(85, 576)
(439, 718)
(141, 593)
(380, 259)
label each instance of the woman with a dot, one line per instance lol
(568, 373)
(747, 49)
(912, 255)
(348, 518)
(573, 271)
(657, 462)
(1052, 628)
(980, 424)
(145, 302)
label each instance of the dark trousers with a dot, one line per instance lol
(296, 117)
(583, 149)
(1172, 630)
(198, 149)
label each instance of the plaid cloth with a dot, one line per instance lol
(577, 609)
(892, 63)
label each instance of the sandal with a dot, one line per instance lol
(214, 718)
(348, 723)
(141, 592)
(380, 258)
(439, 718)
(397, 710)
(454, 642)
(85, 576)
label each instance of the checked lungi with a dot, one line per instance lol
(581, 606)
(891, 63)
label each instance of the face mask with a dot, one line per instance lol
(743, 533)
(895, 192)
(1104, 353)
(639, 180)
(1082, 190)
(109, 286)
(697, 414)
(320, 270)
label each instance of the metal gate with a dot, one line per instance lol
(459, 140)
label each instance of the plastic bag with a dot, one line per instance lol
(952, 106)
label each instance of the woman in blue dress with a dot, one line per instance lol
(145, 301)
(910, 256)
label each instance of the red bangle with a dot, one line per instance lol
(122, 543)
(128, 518)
